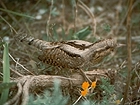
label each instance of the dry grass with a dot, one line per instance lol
(108, 20)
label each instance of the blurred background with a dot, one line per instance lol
(59, 20)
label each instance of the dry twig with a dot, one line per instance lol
(35, 83)
(87, 10)
(128, 37)
(49, 18)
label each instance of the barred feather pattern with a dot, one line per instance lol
(62, 59)
(72, 54)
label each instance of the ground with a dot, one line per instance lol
(59, 20)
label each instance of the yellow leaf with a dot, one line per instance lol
(93, 85)
(84, 92)
(85, 85)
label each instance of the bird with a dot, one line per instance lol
(71, 54)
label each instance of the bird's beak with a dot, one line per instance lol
(120, 45)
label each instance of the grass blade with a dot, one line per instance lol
(16, 13)
(6, 74)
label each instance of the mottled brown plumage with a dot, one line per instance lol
(60, 58)
(72, 54)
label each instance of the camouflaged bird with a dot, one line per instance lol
(73, 54)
